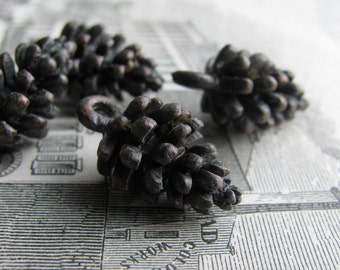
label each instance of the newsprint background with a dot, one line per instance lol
(57, 213)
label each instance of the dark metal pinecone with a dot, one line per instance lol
(247, 90)
(24, 106)
(149, 149)
(104, 65)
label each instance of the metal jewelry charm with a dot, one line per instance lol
(247, 90)
(149, 149)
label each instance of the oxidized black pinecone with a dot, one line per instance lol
(103, 65)
(24, 106)
(245, 89)
(148, 149)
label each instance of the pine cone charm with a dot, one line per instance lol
(102, 65)
(149, 149)
(24, 106)
(247, 90)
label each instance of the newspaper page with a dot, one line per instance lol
(56, 211)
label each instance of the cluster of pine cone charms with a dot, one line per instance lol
(82, 61)
(247, 90)
(150, 148)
